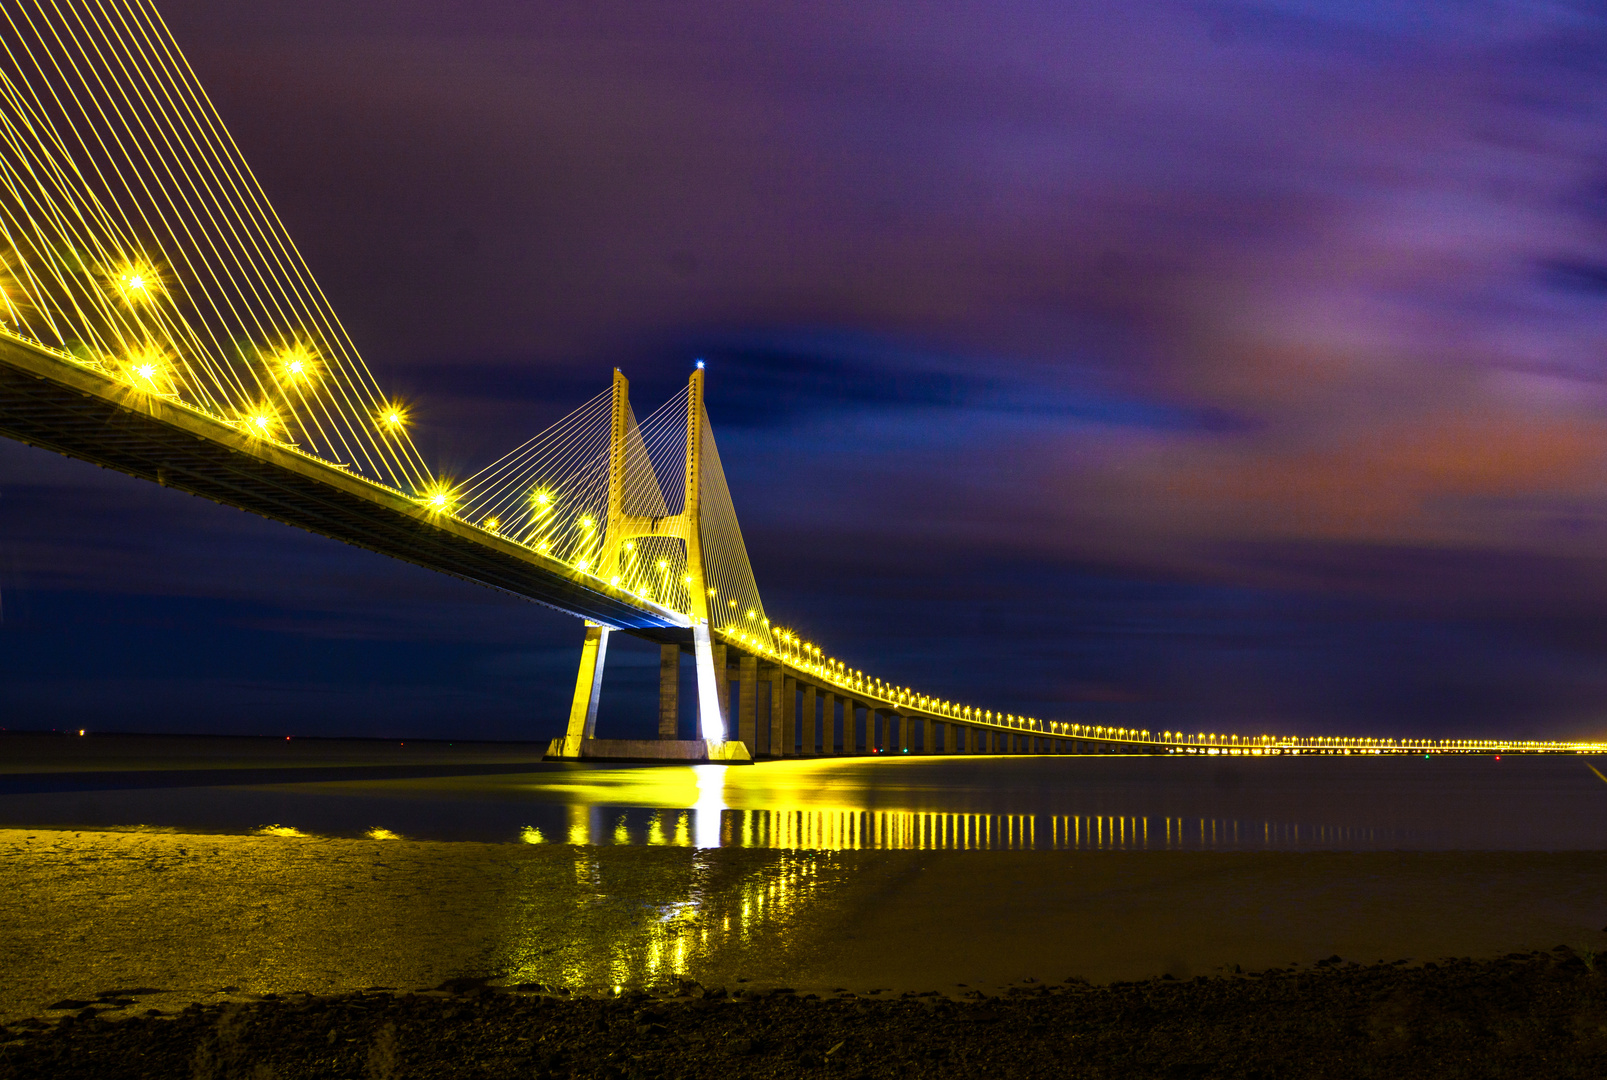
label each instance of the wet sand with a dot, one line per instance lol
(210, 918)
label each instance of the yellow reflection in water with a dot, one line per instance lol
(849, 829)
(697, 913)
(531, 835)
(378, 833)
(280, 830)
(670, 786)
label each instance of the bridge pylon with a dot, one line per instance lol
(622, 527)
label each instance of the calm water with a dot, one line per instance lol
(1043, 803)
(214, 868)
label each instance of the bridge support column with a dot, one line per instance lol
(719, 652)
(870, 729)
(810, 733)
(849, 739)
(747, 715)
(776, 740)
(588, 686)
(784, 731)
(903, 735)
(669, 691)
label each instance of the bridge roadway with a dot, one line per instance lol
(806, 710)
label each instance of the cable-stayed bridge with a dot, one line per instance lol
(159, 320)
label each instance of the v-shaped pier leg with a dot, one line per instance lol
(588, 686)
(710, 707)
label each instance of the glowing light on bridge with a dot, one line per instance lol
(439, 498)
(137, 281)
(261, 422)
(297, 365)
(149, 368)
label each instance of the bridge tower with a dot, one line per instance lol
(623, 526)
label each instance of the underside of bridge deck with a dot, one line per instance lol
(49, 401)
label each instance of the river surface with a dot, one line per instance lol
(165, 871)
(1102, 803)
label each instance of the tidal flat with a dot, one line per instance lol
(215, 918)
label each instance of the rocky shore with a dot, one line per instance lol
(1525, 1015)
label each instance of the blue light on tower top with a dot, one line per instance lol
(700, 365)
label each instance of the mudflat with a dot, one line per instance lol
(216, 918)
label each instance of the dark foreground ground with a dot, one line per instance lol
(1527, 1015)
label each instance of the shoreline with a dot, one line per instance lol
(1528, 1014)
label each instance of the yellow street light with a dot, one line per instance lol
(391, 417)
(149, 368)
(137, 281)
(296, 364)
(439, 498)
(261, 421)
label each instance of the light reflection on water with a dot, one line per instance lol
(698, 916)
(1090, 804)
(859, 830)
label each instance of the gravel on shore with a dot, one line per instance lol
(1525, 1015)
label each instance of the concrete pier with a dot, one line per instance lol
(747, 689)
(669, 691)
(810, 735)
(783, 715)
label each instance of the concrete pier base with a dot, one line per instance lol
(661, 751)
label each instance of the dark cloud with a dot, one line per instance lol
(1585, 277)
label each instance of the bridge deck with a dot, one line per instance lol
(51, 401)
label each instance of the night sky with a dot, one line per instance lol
(1226, 367)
